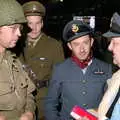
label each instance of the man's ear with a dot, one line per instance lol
(92, 40)
(42, 24)
(69, 45)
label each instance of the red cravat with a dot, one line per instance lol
(81, 64)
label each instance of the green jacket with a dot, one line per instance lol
(15, 88)
(43, 56)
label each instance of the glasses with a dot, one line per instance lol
(15, 27)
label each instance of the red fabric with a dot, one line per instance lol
(81, 64)
(83, 113)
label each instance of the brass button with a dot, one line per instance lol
(11, 87)
(14, 61)
(83, 81)
(21, 84)
(83, 92)
(84, 105)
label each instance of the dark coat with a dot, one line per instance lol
(70, 87)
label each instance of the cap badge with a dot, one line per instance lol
(75, 28)
(34, 8)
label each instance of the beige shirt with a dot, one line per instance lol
(109, 96)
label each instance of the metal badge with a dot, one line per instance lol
(40, 58)
(34, 8)
(75, 28)
(99, 72)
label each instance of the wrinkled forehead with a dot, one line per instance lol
(115, 39)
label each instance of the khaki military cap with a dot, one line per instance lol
(34, 8)
(11, 12)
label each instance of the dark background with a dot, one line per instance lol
(59, 13)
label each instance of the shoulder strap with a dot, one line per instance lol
(109, 113)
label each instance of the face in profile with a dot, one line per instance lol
(36, 24)
(114, 47)
(81, 47)
(9, 35)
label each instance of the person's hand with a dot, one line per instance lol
(83, 118)
(27, 116)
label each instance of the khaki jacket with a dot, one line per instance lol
(42, 56)
(15, 88)
(113, 87)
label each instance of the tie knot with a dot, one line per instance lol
(30, 43)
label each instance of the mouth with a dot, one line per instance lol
(82, 54)
(34, 32)
(113, 55)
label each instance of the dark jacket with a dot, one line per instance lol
(70, 87)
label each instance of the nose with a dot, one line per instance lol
(34, 27)
(19, 32)
(110, 47)
(81, 48)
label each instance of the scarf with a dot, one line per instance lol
(81, 64)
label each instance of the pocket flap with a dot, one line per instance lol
(6, 87)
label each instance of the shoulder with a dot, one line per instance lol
(62, 69)
(115, 80)
(50, 40)
(105, 67)
(102, 63)
(116, 74)
(66, 64)
(12, 56)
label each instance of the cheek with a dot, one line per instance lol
(116, 50)
(75, 50)
(30, 25)
(87, 48)
(39, 28)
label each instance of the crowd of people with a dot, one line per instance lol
(37, 82)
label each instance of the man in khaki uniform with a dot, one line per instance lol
(16, 99)
(41, 51)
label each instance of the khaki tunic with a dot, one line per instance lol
(41, 58)
(15, 88)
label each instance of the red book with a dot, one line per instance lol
(78, 112)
